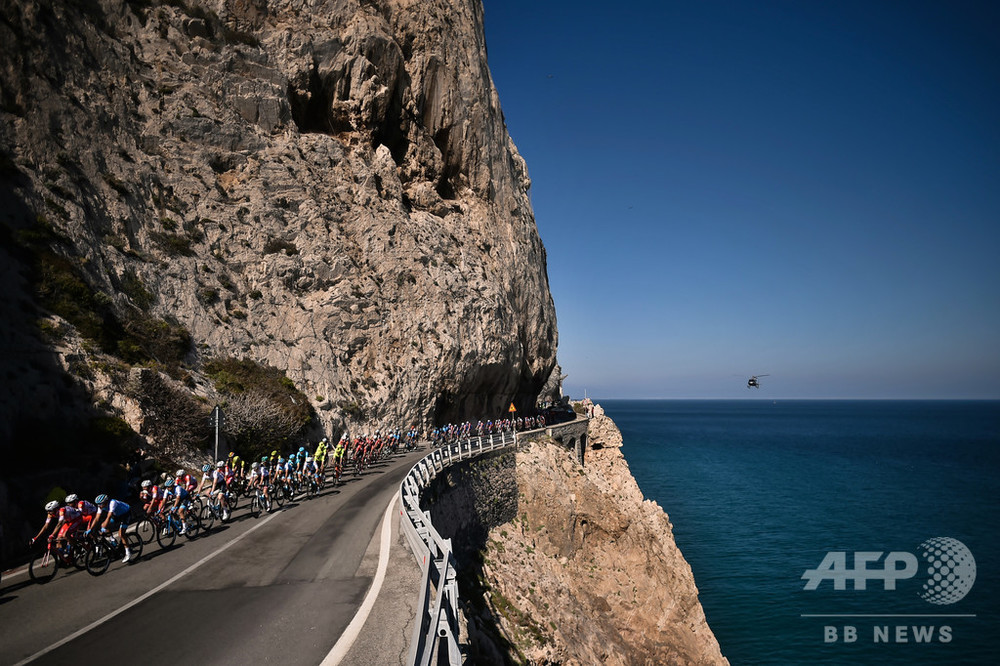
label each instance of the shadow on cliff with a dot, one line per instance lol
(466, 501)
(53, 440)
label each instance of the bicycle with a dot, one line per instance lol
(211, 512)
(192, 515)
(44, 566)
(169, 525)
(107, 547)
(152, 527)
(146, 528)
(260, 502)
(311, 486)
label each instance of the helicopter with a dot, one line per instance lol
(753, 382)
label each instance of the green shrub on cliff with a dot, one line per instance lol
(263, 409)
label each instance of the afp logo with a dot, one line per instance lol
(948, 564)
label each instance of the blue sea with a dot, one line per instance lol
(760, 492)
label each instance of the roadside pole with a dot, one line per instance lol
(216, 421)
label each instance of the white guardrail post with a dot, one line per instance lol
(437, 616)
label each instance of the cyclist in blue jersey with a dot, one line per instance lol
(115, 514)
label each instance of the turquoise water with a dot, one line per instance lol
(760, 491)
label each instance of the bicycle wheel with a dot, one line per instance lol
(166, 534)
(43, 567)
(207, 518)
(135, 544)
(233, 500)
(99, 557)
(79, 551)
(193, 524)
(255, 507)
(278, 495)
(146, 529)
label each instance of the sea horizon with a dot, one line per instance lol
(789, 399)
(759, 496)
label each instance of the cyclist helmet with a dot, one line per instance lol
(232, 453)
(179, 472)
(302, 449)
(255, 466)
(281, 459)
(147, 483)
(263, 459)
(220, 464)
(72, 498)
(274, 453)
(168, 483)
(101, 499)
(52, 506)
(206, 467)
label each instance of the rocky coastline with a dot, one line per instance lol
(563, 564)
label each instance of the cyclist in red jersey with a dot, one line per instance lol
(150, 495)
(87, 509)
(52, 518)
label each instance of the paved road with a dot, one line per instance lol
(282, 591)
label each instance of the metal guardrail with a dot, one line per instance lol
(437, 619)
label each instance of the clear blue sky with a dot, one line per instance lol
(805, 189)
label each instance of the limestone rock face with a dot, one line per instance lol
(327, 187)
(589, 572)
(602, 431)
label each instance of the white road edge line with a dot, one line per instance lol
(346, 640)
(138, 600)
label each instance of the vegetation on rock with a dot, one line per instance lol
(264, 411)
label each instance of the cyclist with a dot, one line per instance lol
(219, 485)
(166, 497)
(51, 512)
(265, 476)
(309, 470)
(149, 496)
(260, 477)
(186, 480)
(338, 456)
(320, 456)
(115, 514)
(207, 478)
(280, 474)
(180, 497)
(87, 510)
(254, 479)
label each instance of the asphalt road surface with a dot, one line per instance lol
(279, 589)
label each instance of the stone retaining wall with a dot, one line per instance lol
(469, 498)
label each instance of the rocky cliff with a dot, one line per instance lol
(326, 187)
(588, 572)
